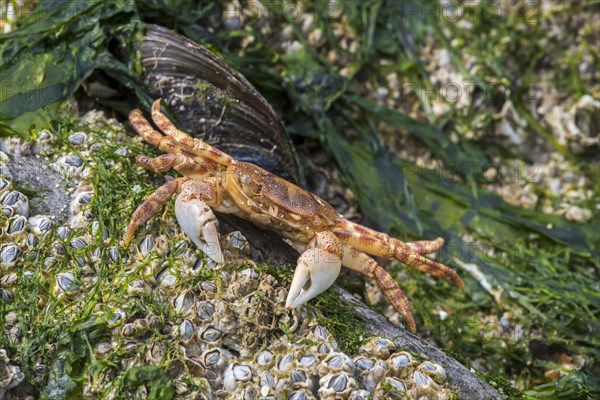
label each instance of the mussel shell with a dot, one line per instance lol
(212, 102)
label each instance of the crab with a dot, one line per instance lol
(215, 181)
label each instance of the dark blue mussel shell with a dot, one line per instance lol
(213, 102)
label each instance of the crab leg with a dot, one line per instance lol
(184, 165)
(170, 145)
(360, 262)
(151, 206)
(426, 246)
(160, 164)
(204, 150)
(317, 269)
(382, 245)
(359, 232)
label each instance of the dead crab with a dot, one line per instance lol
(214, 180)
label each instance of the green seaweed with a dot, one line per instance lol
(153, 376)
(342, 322)
(41, 68)
(572, 386)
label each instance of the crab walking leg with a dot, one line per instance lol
(150, 135)
(204, 150)
(197, 219)
(382, 245)
(430, 267)
(358, 261)
(151, 206)
(318, 267)
(184, 165)
(384, 242)
(426, 246)
(165, 143)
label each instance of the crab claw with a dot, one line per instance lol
(316, 271)
(200, 224)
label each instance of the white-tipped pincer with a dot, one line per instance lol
(316, 271)
(200, 224)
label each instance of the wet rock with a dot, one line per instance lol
(40, 178)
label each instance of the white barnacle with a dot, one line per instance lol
(6, 295)
(320, 333)
(186, 330)
(212, 358)
(421, 379)
(435, 371)
(8, 254)
(208, 287)
(401, 360)
(40, 224)
(339, 362)
(397, 387)
(17, 225)
(205, 310)
(298, 376)
(113, 254)
(267, 380)
(183, 302)
(79, 243)
(264, 358)
(147, 244)
(424, 386)
(18, 202)
(216, 359)
(379, 348)
(66, 282)
(307, 361)
(78, 138)
(298, 395)
(32, 241)
(324, 348)
(337, 385)
(4, 184)
(360, 395)
(63, 231)
(166, 279)
(210, 334)
(284, 363)
(236, 373)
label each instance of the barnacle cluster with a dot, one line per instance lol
(160, 316)
(10, 375)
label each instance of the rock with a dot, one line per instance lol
(36, 175)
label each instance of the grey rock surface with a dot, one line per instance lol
(46, 187)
